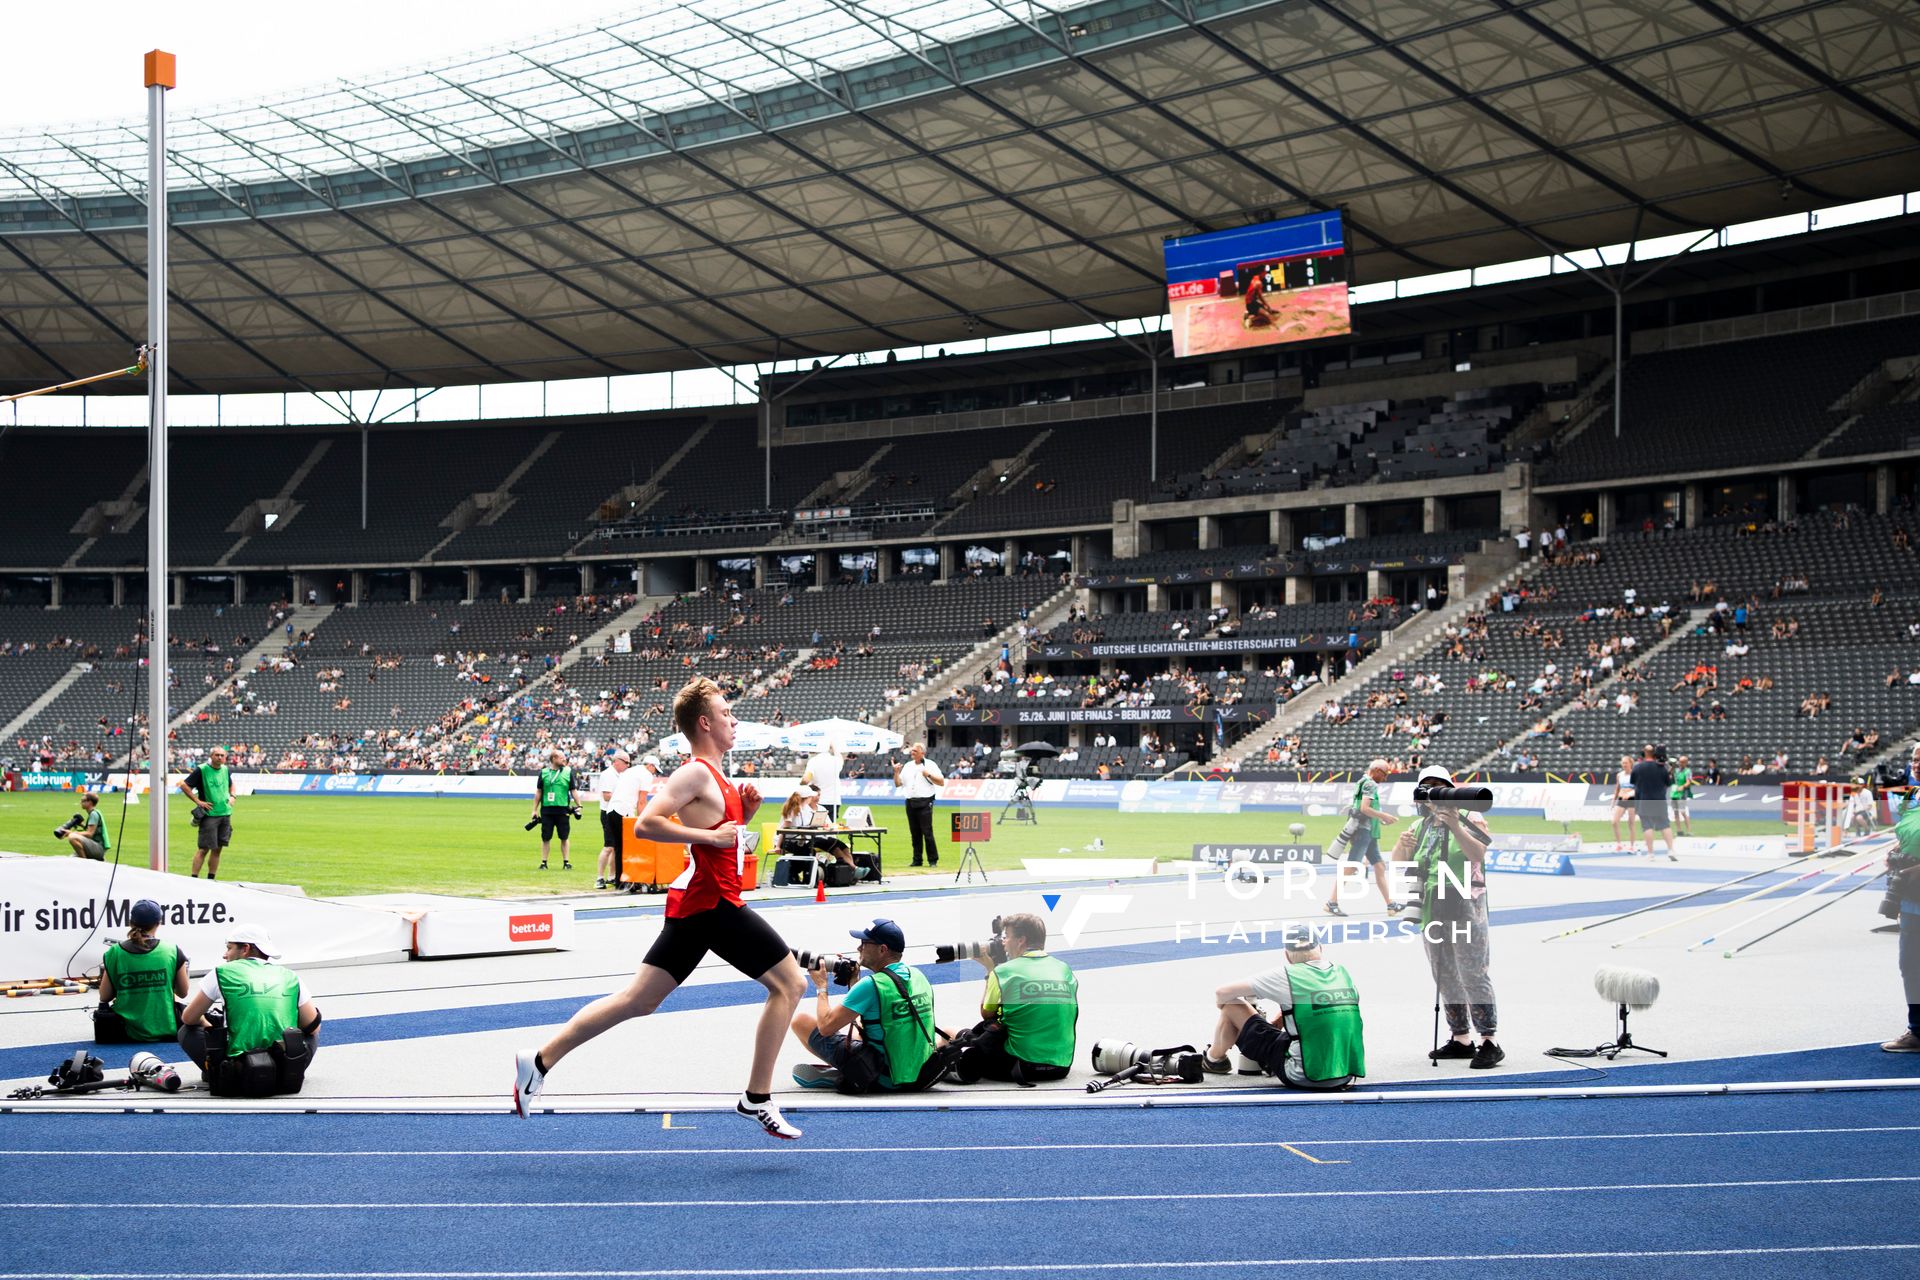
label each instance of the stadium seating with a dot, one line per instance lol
(1760, 400)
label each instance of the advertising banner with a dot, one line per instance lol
(1330, 640)
(1041, 713)
(57, 917)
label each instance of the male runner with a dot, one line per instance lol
(1360, 838)
(696, 806)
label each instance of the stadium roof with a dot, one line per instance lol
(725, 181)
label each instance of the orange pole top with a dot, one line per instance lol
(160, 69)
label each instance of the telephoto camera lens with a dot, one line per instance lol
(531, 824)
(845, 969)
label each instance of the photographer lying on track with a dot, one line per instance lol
(1317, 1042)
(266, 1041)
(893, 1007)
(1449, 851)
(1029, 1013)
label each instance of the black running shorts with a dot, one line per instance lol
(735, 934)
(555, 820)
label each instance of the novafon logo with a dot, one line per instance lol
(530, 928)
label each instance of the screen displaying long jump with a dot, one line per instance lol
(1258, 286)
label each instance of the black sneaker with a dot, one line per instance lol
(1395, 908)
(566, 866)
(541, 867)
(1487, 1055)
(1452, 1049)
(1333, 909)
(1215, 1066)
(600, 882)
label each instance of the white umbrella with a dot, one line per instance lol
(748, 735)
(849, 735)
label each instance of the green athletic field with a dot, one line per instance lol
(386, 844)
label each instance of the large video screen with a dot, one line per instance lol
(1258, 286)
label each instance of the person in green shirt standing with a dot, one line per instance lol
(1360, 838)
(142, 981)
(1680, 795)
(267, 1037)
(1030, 1012)
(210, 787)
(1316, 1042)
(893, 1004)
(553, 807)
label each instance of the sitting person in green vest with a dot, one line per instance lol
(1316, 1042)
(893, 1005)
(88, 836)
(266, 1040)
(1031, 1011)
(142, 981)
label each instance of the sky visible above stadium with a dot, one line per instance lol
(87, 64)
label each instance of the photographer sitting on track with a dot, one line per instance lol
(1449, 850)
(1317, 1041)
(87, 833)
(893, 1005)
(142, 981)
(1030, 1012)
(266, 1041)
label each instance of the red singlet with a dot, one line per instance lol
(716, 872)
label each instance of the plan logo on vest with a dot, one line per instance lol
(530, 928)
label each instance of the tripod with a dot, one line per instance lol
(1021, 807)
(1622, 1041)
(969, 864)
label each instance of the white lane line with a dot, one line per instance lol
(792, 1151)
(975, 1268)
(493, 1206)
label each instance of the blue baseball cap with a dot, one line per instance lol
(146, 914)
(885, 932)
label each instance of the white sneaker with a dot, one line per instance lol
(767, 1116)
(528, 1080)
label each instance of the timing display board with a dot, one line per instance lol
(972, 828)
(1264, 285)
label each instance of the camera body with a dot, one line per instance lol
(845, 969)
(75, 823)
(1903, 883)
(1432, 795)
(992, 950)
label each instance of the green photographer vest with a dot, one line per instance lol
(1039, 1007)
(556, 788)
(1437, 847)
(1367, 791)
(906, 1022)
(216, 788)
(1326, 1015)
(262, 999)
(143, 989)
(95, 828)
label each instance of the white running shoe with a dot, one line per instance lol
(528, 1080)
(767, 1116)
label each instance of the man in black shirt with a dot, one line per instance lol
(1650, 781)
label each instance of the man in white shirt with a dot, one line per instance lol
(823, 774)
(621, 789)
(918, 780)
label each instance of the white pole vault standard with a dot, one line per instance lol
(1640, 911)
(1701, 915)
(1837, 874)
(160, 78)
